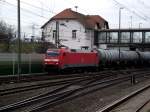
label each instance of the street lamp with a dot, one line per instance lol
(120, 16)
(119, 35)
(139, 31)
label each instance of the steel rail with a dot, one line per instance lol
(38, 86)
(123, 99)
(42, 76)
(142, 106)
(47, 84)
(53, 95)
(56, 92)
(71, 95)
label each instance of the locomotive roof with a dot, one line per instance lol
(72, 50)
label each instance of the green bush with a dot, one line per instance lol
(3, 47)
(32, 47)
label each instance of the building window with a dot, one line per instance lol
(54, 34)
(98, 26)
(74, 34)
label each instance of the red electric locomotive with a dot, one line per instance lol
(64, 58)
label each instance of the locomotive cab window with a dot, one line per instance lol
(52, 54)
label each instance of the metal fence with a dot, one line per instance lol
(30, 63)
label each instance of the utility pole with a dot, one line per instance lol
(57, 34)
(140, 25)
(131, 21)
(33, 32)
(119, 33)
(19, 44)
(0, 8)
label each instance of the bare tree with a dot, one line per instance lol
(7, 34)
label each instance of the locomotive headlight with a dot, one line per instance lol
(53, 60)
(56, 60)
(47, 60)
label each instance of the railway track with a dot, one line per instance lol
(143, 105)
(48, 84)
(37, 77)
(55, 83)
(117, 105)
(63, 94)
(45, 76)
(63, 81)
(56, 96)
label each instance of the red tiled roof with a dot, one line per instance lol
(67, 14)
(89, 21)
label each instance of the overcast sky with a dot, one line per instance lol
(37, 12)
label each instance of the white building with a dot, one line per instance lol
(76, 30)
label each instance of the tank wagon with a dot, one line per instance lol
(113, 57)
(64, 58)
(144, 58)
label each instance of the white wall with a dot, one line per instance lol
(83, 38)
